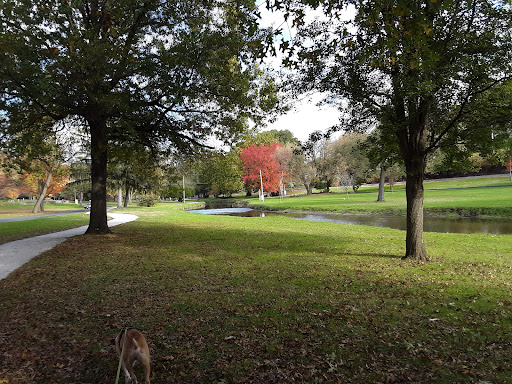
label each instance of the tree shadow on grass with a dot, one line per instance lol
(286, 235)
(221, 299)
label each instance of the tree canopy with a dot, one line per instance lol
(416, 67)
(168, 74)
(222, 172)
(259, 162)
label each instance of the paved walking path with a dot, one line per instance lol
(16, 253)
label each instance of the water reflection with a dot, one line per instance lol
(430, 224)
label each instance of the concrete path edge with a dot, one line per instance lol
(16, 253)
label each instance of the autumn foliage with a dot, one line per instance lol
(261, 158)
(60, 178)
(13, 184)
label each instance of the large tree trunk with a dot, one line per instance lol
(412, 139)
(42, 189)
(99, 151)
(414, 244)
(412, 133)
(126, 196)
(120, 197)
(381, 184)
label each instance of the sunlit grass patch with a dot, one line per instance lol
(462, 197)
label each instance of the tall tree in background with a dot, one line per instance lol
(132, 167)
(258, 159)
(222, 172)
(284, 136)
(495, 113)
(415, 66)
(80, 183)
(40, 151)
(383, 153)
(168, 74)
(348, 158)
(311, 162)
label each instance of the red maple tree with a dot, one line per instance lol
(261, 158)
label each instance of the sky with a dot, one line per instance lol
(306, 117)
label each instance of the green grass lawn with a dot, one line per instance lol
(16, 230)
(39, 225)
(467, 197)
(15, 209)
(484, 197)
(261, 300)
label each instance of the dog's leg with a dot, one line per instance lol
(127, 378)
(131, 374)
(146, 371)
(143, 359)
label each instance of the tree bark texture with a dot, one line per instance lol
(381, 185)
(119, 197)
(412, 138)
(99, 151)
(414, 244)
(126, 196)
(42, 189)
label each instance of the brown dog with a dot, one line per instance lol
(133, 346)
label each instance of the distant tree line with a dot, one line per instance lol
(319, 163)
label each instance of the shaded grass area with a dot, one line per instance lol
(261, 300)
(467, 197)
(22, 229)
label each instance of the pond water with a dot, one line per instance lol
(430, 224)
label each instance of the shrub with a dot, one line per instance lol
(147, 200)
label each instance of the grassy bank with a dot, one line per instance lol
(466, 197)
(261, 300)
(39, 224)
